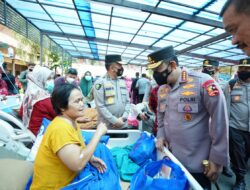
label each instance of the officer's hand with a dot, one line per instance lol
(119, 123)
(213, 171)
(160, 143)
(101, 129)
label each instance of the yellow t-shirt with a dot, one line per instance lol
(49, 171)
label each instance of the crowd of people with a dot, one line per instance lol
(195, 117)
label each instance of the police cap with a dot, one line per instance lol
(156, 58)
(210, 63)
(109, 59)
(244, 62)
(72, 71)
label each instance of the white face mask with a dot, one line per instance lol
(70, 80)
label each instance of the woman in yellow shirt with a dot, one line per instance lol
(62, 153)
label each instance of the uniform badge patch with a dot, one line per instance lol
(110, 100)
(187, 108)
(188, 93)
(212, 90)
(98, 86)
(188, 117)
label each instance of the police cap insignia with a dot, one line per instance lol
(206, 62)
(98, 86)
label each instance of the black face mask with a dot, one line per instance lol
(120, 72)
(209, 72)
(243, 75)
(161, 77)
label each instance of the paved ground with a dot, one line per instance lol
(226, 183)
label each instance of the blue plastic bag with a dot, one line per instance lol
(87, 135)
(144, 149)
(144, 178)
(90, 179)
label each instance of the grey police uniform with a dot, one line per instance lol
(112, 99)
(237, 95)
(238, 105)
(183, 120)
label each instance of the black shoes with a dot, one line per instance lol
(239, 186)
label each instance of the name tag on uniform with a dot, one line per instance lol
(109, 91)
(236, 95)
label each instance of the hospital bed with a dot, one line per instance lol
(14, 136)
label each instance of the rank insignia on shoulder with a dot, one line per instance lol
(184, 76)
(98, 86)
(188, 117)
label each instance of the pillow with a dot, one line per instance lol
(91, 114)
(14, 174)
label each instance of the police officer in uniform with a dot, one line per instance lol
(111, 95)
(186, 101)
(210, 67)
(237, 93)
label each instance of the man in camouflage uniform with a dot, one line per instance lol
(186, 101)
(111, 95)
(237, 93)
